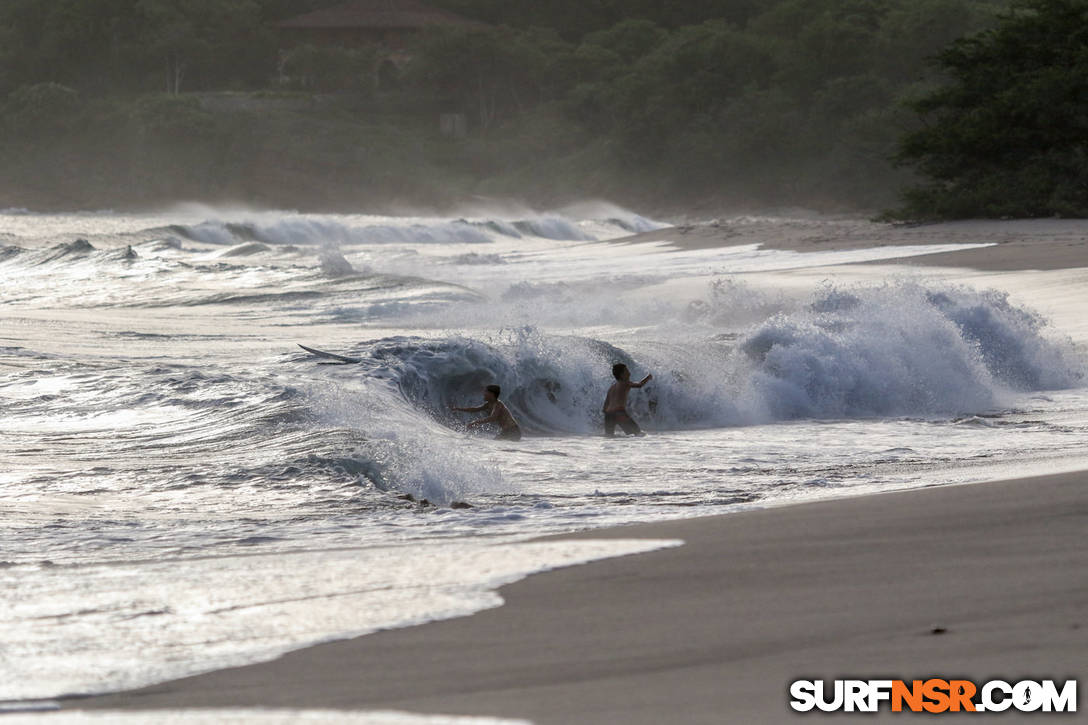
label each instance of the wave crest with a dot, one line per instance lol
(897, 350)
(329, 231)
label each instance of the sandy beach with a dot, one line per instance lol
(976, 581)
(399, 362)
(1041, 244)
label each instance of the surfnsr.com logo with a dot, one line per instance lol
(933, 696)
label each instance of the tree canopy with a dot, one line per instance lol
(1007, 133)
(794, 99)
(747, 101)
(141, 45)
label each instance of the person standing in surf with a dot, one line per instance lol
(615, 403)
(497, 413)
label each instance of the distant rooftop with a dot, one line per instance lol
(399, 14)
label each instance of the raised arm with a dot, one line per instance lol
(642, 382)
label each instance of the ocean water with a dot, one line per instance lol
(184, 488)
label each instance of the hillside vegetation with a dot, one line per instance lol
(740, 103)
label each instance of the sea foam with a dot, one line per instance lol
(891, 350)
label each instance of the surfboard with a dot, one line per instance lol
(340, 359)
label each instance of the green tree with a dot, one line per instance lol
(629, 39)
(42, 111)
(491, 74)
(138, 45)
(330, 68)
(1007, 134)
(682, 86)
(574, 19)
(205, 41)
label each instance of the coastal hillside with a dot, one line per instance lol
(735, 104)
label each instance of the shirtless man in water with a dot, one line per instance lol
(615, 403)
(498, 413)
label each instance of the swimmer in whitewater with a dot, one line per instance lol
(497, 413)
(615, 403)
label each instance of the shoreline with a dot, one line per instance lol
(972, 580)
(1015, 244)
(715, 630)
(1024, 244)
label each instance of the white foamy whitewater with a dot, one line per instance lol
(184, 488)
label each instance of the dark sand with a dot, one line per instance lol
(713, 632)
(1020, 245)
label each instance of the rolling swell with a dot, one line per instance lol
(160, 273)
(328, 231)
(324, 232)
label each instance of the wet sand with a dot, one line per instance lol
(974, 581)
(1040, 244)
(977, 582)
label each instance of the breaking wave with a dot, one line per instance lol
(901, 350)
(328, 231)
(890, 351)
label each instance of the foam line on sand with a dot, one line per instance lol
(976, 581)
(1025, 244)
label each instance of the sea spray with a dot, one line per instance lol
(311, 229)
(892, 350)
(159, 419)
(400, 448)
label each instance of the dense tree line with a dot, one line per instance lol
(1007, 133)
(792, 100)
(111, 46)
(797, 101)
(574, 20)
